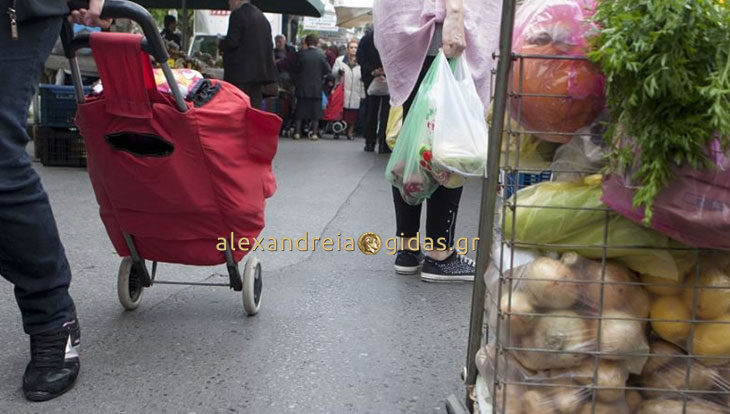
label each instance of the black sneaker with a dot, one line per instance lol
(457, 268)
(54, 363)
(407, 262)
(369, 147)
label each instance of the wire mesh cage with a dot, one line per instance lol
(584, 311)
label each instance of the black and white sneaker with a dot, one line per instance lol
(457, 268)
(407, 262)
(54, 363)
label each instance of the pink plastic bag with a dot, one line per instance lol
(555, 28)
(694, 209)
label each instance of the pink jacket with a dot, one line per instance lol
(403, 32)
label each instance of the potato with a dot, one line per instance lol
(713, 302)
(512, 402)
(664, 354)
(621, 336)
(535, 402)
(554, 293)
(603, 408)
(517, 303)
(639, 303)
(672, 377)
(662, 286)
(610, 374)
(657, 406)
(713, 339)
(615, 296)
(567, 400)
(633, 400)
(555, 331)
(671, 308)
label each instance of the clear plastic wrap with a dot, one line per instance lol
(555, 313)
(571, 214)
(694, 312)
(583, 155)
(565, 391)
(670, 375)
(556, 95)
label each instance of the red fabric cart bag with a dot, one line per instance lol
(176, 182)
(335, 104)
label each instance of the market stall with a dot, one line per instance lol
(354, 13)
(603, 270)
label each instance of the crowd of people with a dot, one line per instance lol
(307, 77)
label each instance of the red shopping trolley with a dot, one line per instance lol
(178, 179)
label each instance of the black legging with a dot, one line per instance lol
(441, 207)
(378, 108)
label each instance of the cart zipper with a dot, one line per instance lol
(13, 21)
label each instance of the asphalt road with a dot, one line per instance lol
(338, 332)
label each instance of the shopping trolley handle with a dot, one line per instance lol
(152, 44)
(119, 9)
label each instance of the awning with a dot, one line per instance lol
(354, 13)
(314, 8)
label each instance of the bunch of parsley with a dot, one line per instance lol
(667, 68)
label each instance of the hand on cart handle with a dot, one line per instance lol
(90, 16)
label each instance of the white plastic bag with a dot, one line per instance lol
(460, 131)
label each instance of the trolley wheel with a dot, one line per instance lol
(339, 127)
(252, 286)
(129, 286)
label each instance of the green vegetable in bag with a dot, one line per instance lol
(570, 213)
(411, 168)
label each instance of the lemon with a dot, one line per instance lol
(711, 301)
(670, 307)
(662, 286)
(713, 339)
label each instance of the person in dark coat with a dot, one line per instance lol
(248, 61)
(377, 106)
(311, 68)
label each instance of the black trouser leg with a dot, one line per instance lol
(371, 121)
(31, 254)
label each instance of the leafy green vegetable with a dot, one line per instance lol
(667, 67)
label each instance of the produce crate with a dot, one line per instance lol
(58, 105)
(515, 181)
(584, 311)
(61, 147)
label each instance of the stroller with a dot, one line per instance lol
(178, 179)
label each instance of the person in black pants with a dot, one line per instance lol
(441, 264)
(377, 106)
(31, 254)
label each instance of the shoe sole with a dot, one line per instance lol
(406, 270)
(39, 396)
(432, 277)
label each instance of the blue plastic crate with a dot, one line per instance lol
(522, 180)
(58, 105)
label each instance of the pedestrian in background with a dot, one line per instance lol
(377, 100)
(32, 257)
(169, 32)
(311, 69)
(347, 70)
(409, 36)
(248, 61)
